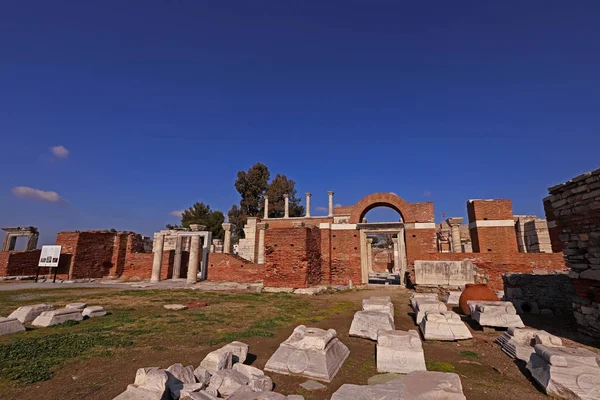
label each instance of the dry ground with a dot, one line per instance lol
(97, 358)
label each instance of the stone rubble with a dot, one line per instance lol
(76, 306)
(366, 324)
(310, 352)
(400, 352)
(498, 314)
(421, 385)
(425, 305)
(217, 360)
(93, 311)
(519, 342)
(379, 304)
(566, 373)
(175, 307)
(27, 314)
(417, 296)
(55, 317)
(10, 325)
(445, 325)
(452, 297)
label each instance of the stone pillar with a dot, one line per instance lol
(12, 243)
(402, 258)
(158, 253)
(32, 241)
(286, 212)
(177, 260)
(396, 256)
(261, 242)
(330, 204)
(455, 233)
(266, 207)
(308, 204)
(227, 242)
(192, 274)
(370, 253)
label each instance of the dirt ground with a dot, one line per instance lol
(485, 371)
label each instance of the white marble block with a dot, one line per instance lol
(366, 324)
(417, 296)
(227, 381)
(453, 297)
(55, 317)
(420, 385)
(27, 314)
(10, 325)
(566, 373)
(519, 342)
(238, 350)
(310, 352)
(445, 325)
(93, 311)
(424, 305)
(498, 314)
(76, 306)
(217, 360)
(400, 352)
(379, 304)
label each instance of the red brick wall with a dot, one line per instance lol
(93, 256)
(313, 249)
(423, 212)
(232, 268)
(481, 210)
(419, 242)
(287, 223)
(326, 254)
(383, 259)
(496, 239)
(345, 257)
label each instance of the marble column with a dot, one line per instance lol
(261, 242)
(308, 204)
(266, 207)
(396, 256)
(192, 273)
(330, 204)
(286, 212)
(402, 257)
(158, 253)
(227, 240)
(177, 260)
(370, 254)
(455, 233)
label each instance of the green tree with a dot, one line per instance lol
(276, 189)
(251, 186)
(201, 213)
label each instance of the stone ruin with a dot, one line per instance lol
(377, 314)
(12, 234)
(400, 352)
(422, 385)
(435, 321)
(497, 314)
(519, 342)
(310, 352)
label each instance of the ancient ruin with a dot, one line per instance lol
(444, 326)
(498, 314)
(519, 342)
(400, 352)
(12, 234)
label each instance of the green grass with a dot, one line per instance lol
(439, 366)
(470, 354)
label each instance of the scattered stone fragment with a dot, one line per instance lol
(498, 314)
(76, 306)
(399, 351)
(184, 389)
(445, 325)
(383, 378)
(311, 290)
(202, 375)
(10, 325)
(138, 393)
(452, 297)
(150, 384)
(379, 304)
(247, 370)
(424, 305)
(420, 385)
(217, 360)
(93, 311)
(27, 314)
(366, 324)
(310, 352)
(566, 373)
(202, 395)
(313, 385)
(175, 307)
(227, 381)
(181, 374)
(260, 383)
(246, 393)
(238, 350)
(277, 290)
(519, 342)
(55, 317)
(416, 296)
(196, 304)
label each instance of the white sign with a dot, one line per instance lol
(50, 256)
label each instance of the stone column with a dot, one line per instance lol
(266, 207)
(286, 212)
(261, 242)
(396, 256)
(308, 204)
(158, 252)
(370, 253)
(330, 204)
(455, 233)
(192, 273)
(227, 241)
(177, 260)
(402, 258)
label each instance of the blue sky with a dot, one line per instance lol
(159, 104)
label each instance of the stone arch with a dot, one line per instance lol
(390, 200)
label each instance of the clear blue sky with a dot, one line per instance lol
(159, 104)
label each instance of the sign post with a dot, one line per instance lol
(49, 259)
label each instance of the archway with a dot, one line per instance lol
(374, 200)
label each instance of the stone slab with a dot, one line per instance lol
(452, 297)
(246, 393)
(312, 385)
(55, 317)
(379, 304)
(421, 385)
(310, 352)
(27, 314)
(444, 273)
(311, 290)
(425, 305)
(227, 381)
(417, 296)
(238, 350)
(93, 311)
(217, 360)
(400, 352)
(366, 324)
(277, 290)
(445, 326)
(175, 307)
(76, 306)
(10, 325)
(519, 342)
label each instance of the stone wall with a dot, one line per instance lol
(532, 234)
(444, 273)
(574, 208)
(534, 293)
(232, 268)
(344, 259)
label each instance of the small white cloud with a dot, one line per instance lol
(323, 209)
(25, 192)
(59, 151)
(337, 205)
(176, 213)
(427, 193)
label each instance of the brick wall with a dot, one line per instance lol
(287, 222)
(492, 238)
(345, 257)
(382, 259)
(575, 208)
(92, 257)
(419, 242)
(232, 268)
